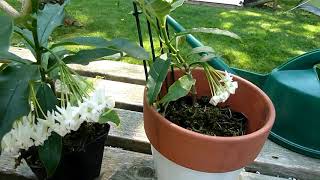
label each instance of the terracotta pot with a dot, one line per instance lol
(209, 153)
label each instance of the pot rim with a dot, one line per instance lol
(264, 129)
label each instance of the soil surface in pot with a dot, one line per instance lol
(205, 118)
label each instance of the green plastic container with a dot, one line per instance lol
(294, 89)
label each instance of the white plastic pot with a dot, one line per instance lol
(168, 170)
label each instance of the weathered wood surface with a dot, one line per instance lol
(117, 165)
(273, 160)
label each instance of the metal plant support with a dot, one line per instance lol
(136, 14)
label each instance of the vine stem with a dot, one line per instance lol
(179, 58)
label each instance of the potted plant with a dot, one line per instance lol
(202, 123)
(49, 115)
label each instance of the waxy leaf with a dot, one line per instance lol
(131, 49)
(6, 28)
(215, 31)
(7, 57)
(27, 38)
(84, 41)
(157, 74)
(46, 98)
(48, 19)
(14, 93)
(86, 56)
(110, 116)
(50, 153)
(179, 89)
(202, 49)
(118, 44)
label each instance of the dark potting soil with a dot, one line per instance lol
(205, 118)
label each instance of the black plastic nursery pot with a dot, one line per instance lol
(83, 165)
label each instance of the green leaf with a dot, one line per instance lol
(14, 93)
(50, 153)
(27, 38)
(48, 19)
(157, 74)
(123, 45)
(84, 41)
(202, 49)
(157, 8)
(7, 57)
(6, 29)
(86, 56)
(48, 60)
(131, 49)
(179, 89)
(110, 116)
(46, 98)
(176, 4)
(215, 31)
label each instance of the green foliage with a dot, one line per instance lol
(215, 31)
(159, 8)
(24, 83)
(86, 56)
(48, 19)
(46, 98)
(50, 153)
(6, 29)
(178, 89)
(14, 93)
(7, 57)
(129, 48)
(110, 116)
(157, 74)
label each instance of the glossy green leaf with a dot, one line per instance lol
(84, 41)
(27, 38)
(50, 153)
(7, 57)
(48, 19)
(123, 45)
(130, 48)
(86, 56)
(157, 8)
(6, 28)
(179, 89)
(46, 98)
(202, 49)
(215, 31)
(14, 93)
(176, 4)
(110, 116)
(157, 74)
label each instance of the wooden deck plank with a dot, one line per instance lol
(117, 165)
(273, 160)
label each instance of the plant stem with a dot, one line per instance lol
(38, 49)
(179, 58)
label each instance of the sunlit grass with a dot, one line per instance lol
(269, 37)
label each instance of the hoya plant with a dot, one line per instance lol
(42, 101)
(221, 83)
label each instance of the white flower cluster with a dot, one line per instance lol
(227, 88)
(26, 133)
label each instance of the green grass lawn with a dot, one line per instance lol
(269, 37)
